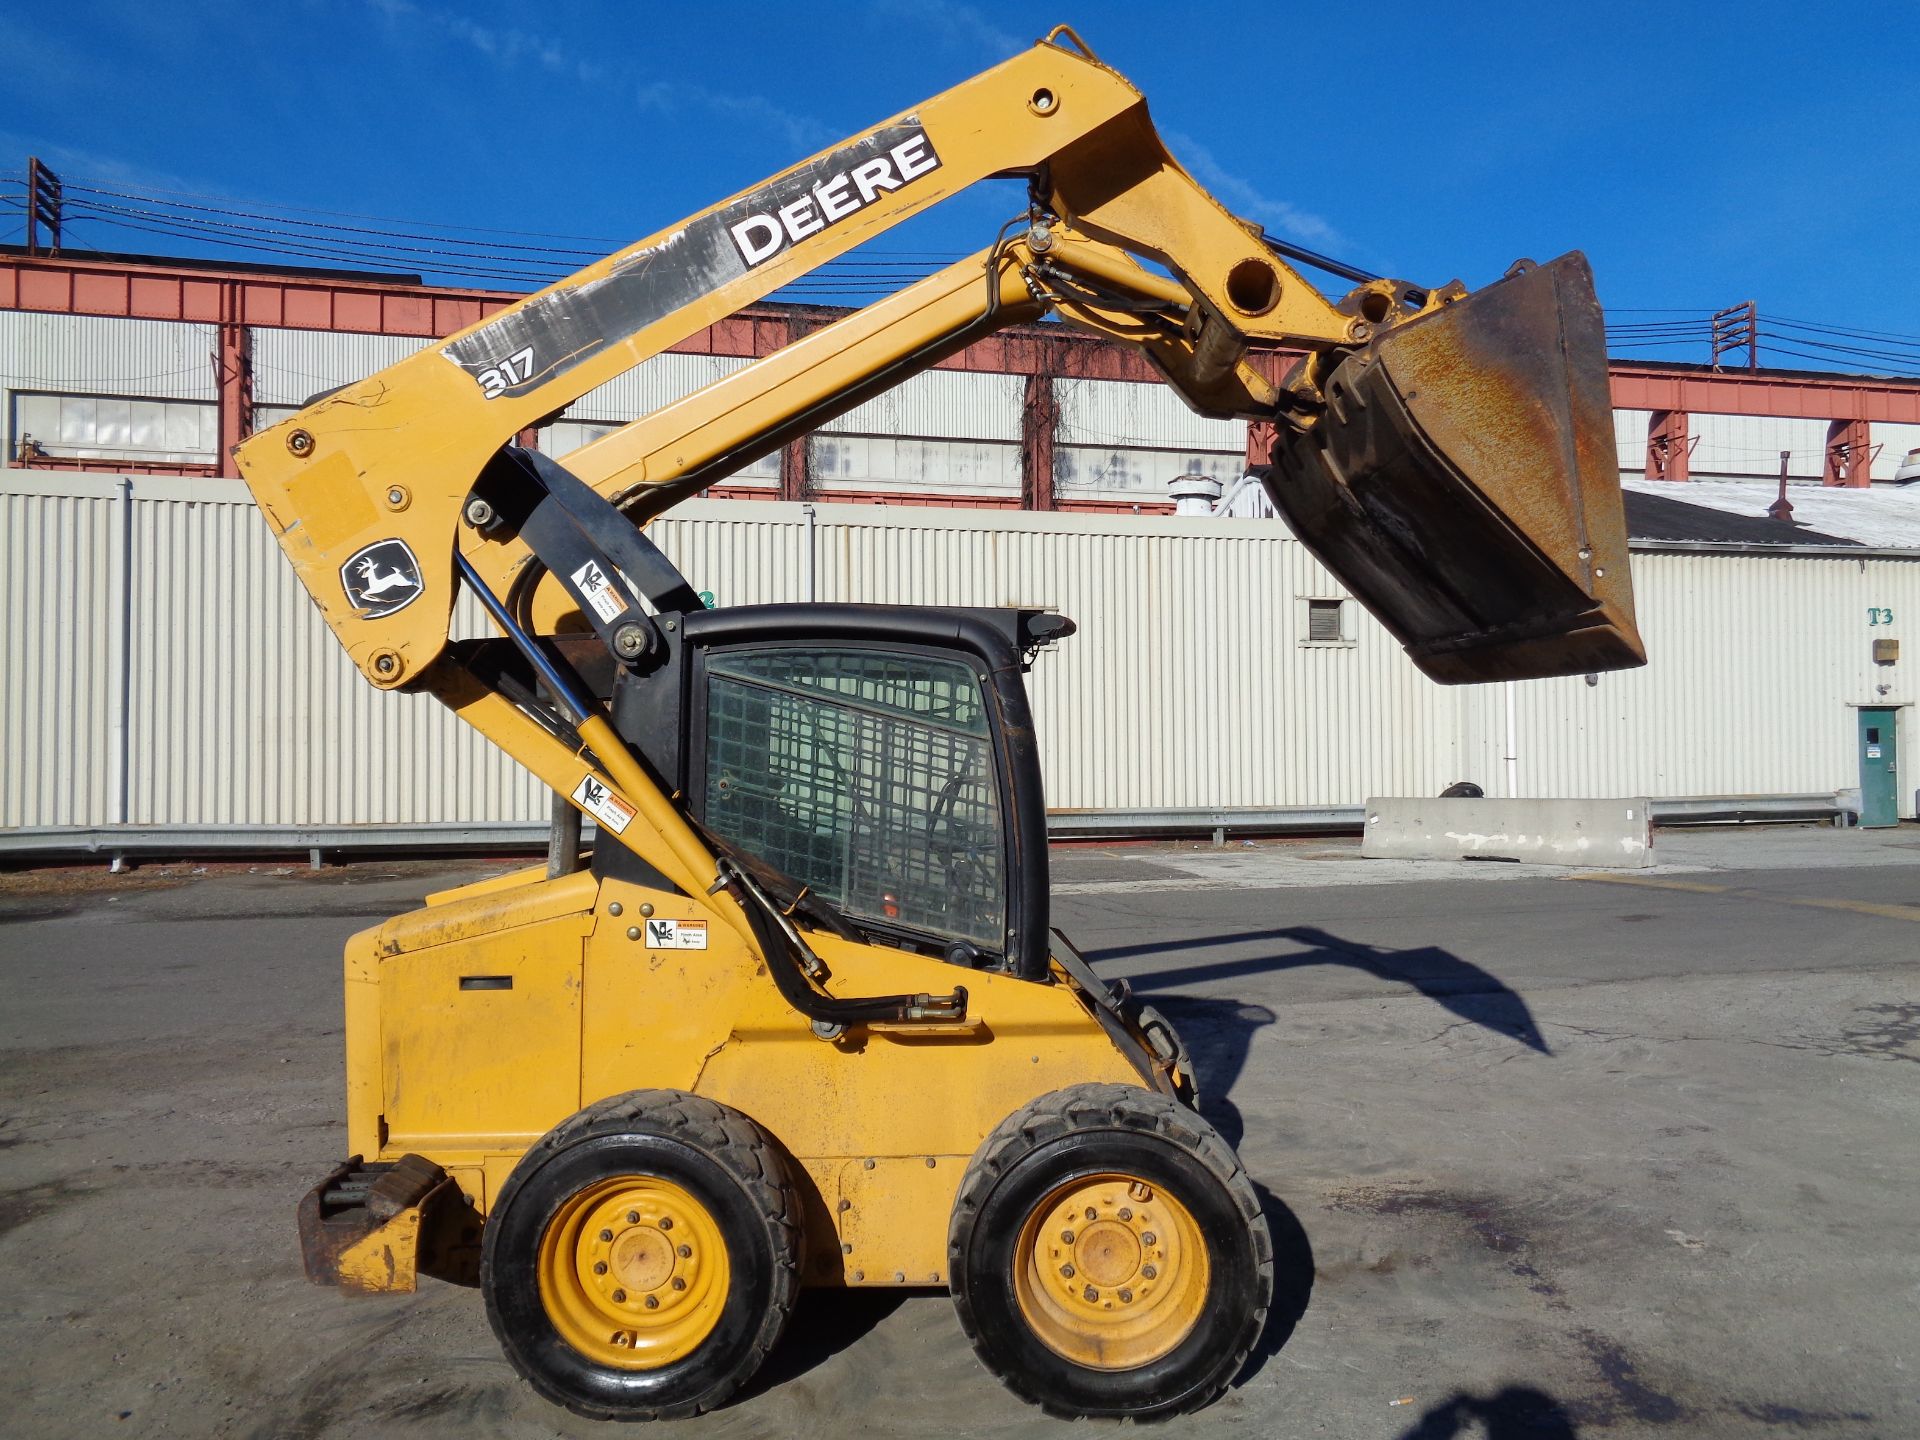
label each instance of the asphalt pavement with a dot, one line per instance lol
(1549, 1154)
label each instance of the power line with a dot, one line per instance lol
(1775, 349)
(1871, 334)
(465, 252)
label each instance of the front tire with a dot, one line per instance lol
(642, 1258)
(1109, 1256)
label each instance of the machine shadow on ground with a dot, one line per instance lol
(825, 1322)
(1293, 1270)
(1219, 1032)
(1516, 1412)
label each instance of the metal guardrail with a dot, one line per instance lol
(118, 843)
(123, 842)
(1163, 824)
(1842, 808)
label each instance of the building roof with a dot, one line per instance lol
(1735, 512)
(1662, 517)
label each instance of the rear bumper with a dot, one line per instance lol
(373, 1229)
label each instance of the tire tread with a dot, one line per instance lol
(738, 1145)
(1106, 1106)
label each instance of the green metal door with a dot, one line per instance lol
(1879, 778)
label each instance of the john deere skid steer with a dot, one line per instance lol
(799, 1018)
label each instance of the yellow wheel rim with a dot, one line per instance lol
(1111, 1272)
(633, 1272)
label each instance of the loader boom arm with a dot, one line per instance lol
(395, 455)
(1491, 550)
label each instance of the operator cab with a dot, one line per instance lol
(879, 758)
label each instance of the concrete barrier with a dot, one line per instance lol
(1614, 834)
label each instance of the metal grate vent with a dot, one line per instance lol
(865, 775)
(1324, 620)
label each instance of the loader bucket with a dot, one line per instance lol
(1463, 484)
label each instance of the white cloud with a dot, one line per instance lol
(510, 48)
(800, 134)
(1246, 200)
(961, 26)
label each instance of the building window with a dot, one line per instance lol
(1326, 623)
(112, 427)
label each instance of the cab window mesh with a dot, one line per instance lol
(868, 776)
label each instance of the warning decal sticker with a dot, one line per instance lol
(600, 592)
(594, 797)
(676, 934)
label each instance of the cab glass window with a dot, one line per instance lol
(866, 774)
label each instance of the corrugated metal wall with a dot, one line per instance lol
(1190, 682)
(96, 355)
(1751, 444)
(1124, 440)
(1630, 439)
(46, 356)
(62, 632)
(956, 431)
(1755, 663)
(289, 366)
(1893, 442)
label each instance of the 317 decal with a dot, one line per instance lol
(516, 369)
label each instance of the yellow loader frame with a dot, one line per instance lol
(478, 1024)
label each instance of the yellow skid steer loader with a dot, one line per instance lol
(799, 1017)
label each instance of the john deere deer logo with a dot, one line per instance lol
(381, 579)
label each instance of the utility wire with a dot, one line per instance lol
(1871, 334)
(509, 257)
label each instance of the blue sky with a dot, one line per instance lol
(1701, 154)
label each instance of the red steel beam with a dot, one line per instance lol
(1750, 392)
(129, 289)
(212, 295)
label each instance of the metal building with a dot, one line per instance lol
(160, 666)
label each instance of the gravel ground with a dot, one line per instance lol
(1547, 1157)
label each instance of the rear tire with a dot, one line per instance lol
(642, 1259)
(1109, 1256)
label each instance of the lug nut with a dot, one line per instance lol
(666, 1222)
(1066, 1237)
(1066, 1271)
(619, 1297)
(685, 1252)
(599, 1267)
(1149, 1238)
(1126, 1297)
(1092, 1214)
(633, 1217)
(1149, 1272)
(1090, 1294)
(678, 1283)
(606, 1234)
(1126, 1214)
(653, 1302)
